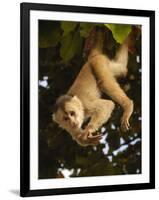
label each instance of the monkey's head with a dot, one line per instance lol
(68, 112)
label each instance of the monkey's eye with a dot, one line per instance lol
(72, 113)
(65, 118)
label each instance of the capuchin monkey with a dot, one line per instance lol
(84, 98)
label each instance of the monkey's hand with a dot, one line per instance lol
(126, 116)
(125, 125)
(87, 138)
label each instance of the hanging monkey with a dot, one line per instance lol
(98, 75)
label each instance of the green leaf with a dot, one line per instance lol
(119, 31)
(66, 50)
(70, 46)
(85, 29)
(49, 35)
(67, 27)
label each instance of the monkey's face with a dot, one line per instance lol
(71, 115)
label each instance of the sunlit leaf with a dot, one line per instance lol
(119, 31)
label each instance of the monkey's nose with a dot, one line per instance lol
(74, 124)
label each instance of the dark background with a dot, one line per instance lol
(60, 60)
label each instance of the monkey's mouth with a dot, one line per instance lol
(75, 125)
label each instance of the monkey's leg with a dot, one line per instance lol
(109, 85)
(118, 65)
(101, 112)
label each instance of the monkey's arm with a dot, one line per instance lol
(101, 110)
(109, 85)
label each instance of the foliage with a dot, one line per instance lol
(60, 60)
(119, 31)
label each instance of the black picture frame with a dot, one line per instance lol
(25, 99)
